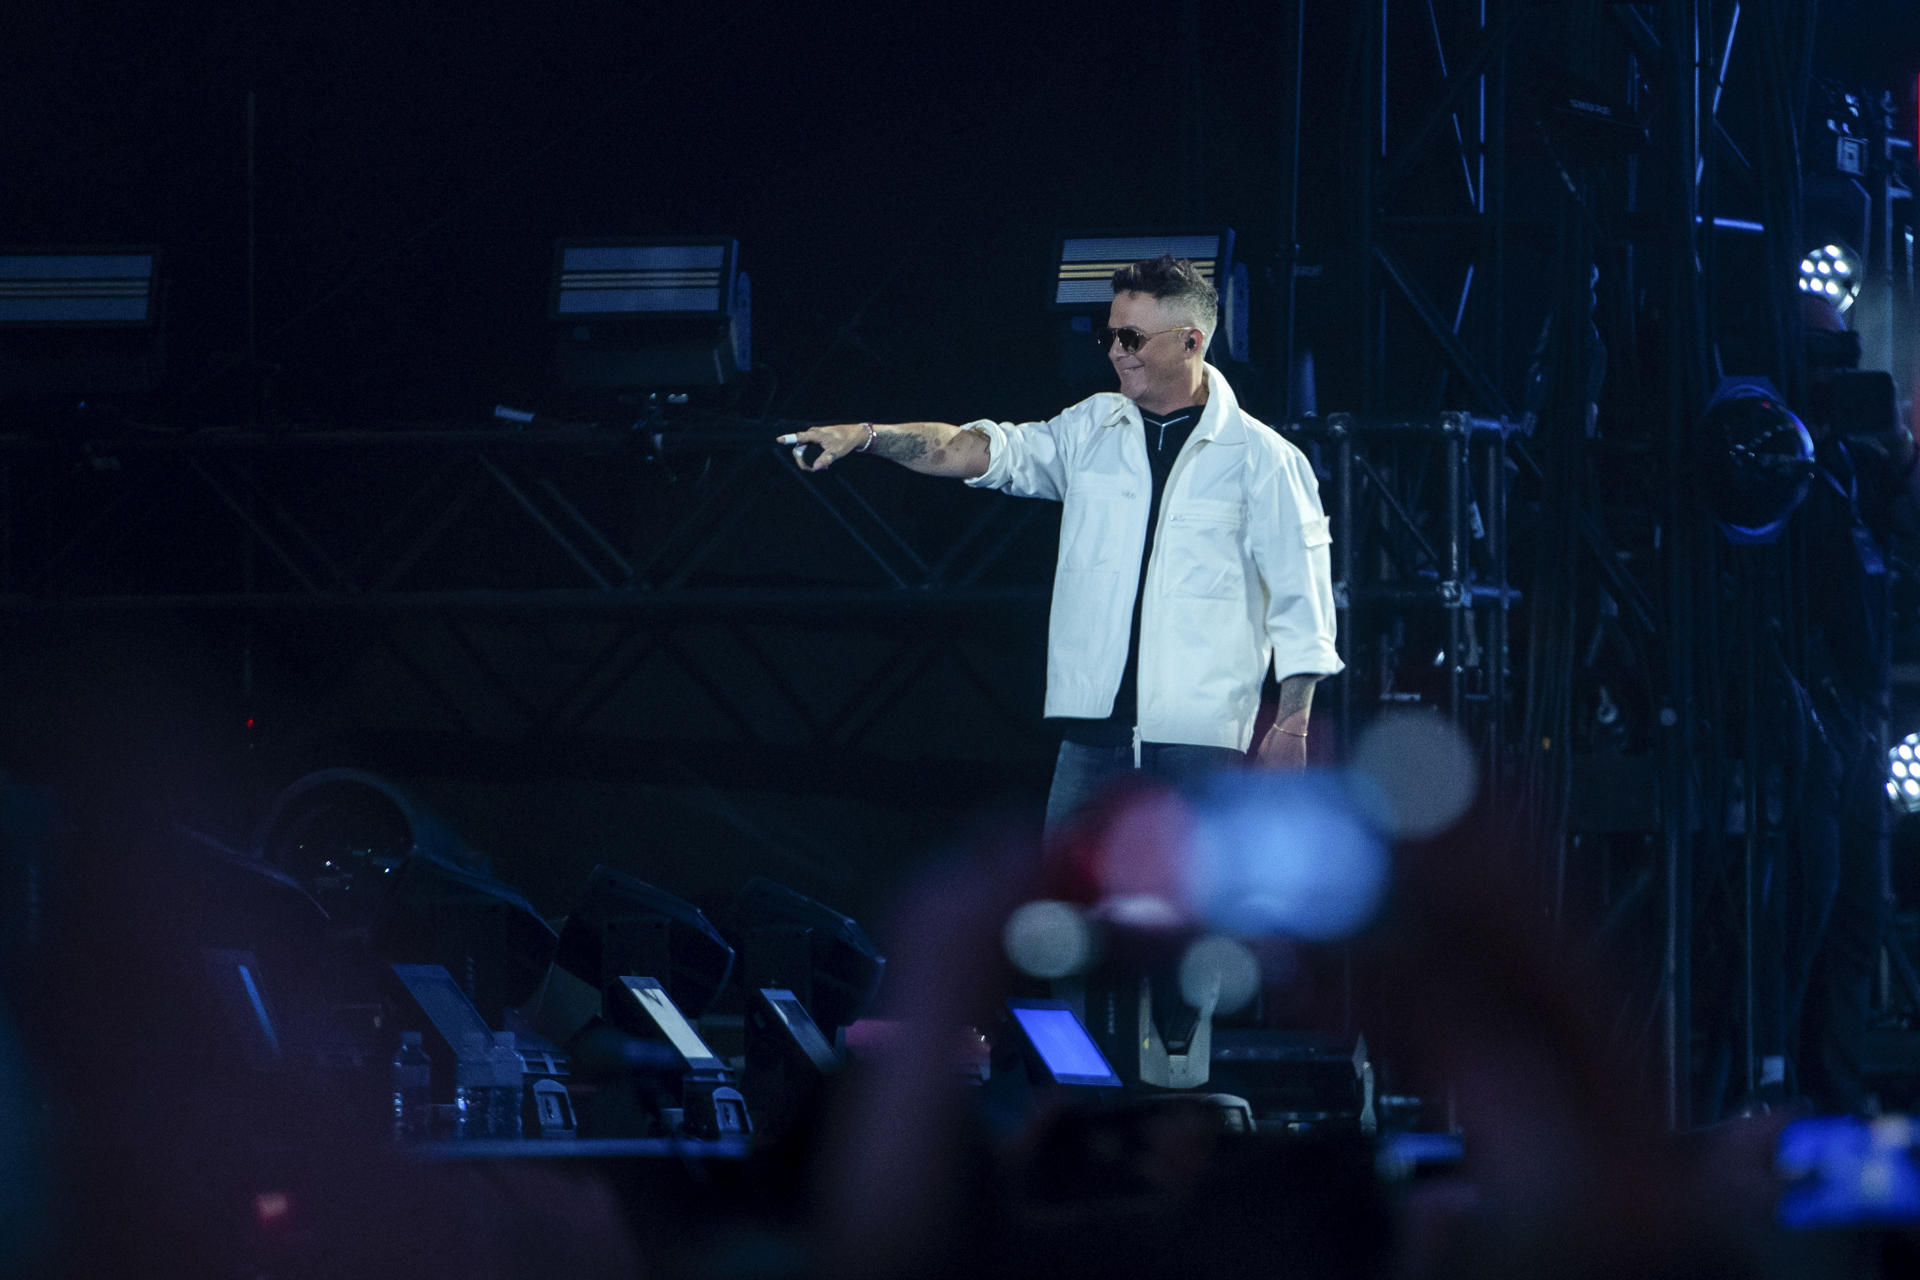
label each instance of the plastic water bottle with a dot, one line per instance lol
(412, 1082)
(472, 1087)
(503, 1093)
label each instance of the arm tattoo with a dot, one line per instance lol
(1296, 699)
(900, 446)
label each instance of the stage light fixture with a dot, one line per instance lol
(1903, 774)
(79, 323)
(1832, 271)
(45, 287)
(790, 941)
(626, 926)
(473, 925)
(1845, 117)
(650, 315)
(342, 834)
(1084, 265)
(1755, 458)
(788, 1058)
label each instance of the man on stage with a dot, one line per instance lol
(1193, 548)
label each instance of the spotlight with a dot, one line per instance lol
(79, 324)
(390, 873)
(1084, 266)
(343, 834)
(662, 315)
(43, 287)
(1834, 271)
(1755, 458)
(1903, 769)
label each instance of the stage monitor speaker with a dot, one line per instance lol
(624, 925)
(788, 1058)
(477, 928)
(790, 941)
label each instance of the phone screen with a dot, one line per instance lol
(1066, 1050)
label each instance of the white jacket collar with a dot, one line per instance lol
(1220, 419)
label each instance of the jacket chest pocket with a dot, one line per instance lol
(1098, 524)
(1205, 557)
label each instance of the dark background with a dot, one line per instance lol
(413, 170)
(896, 176)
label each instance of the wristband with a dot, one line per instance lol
(1291, 734)
(872, 435)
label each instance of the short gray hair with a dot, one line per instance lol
(1173, 280)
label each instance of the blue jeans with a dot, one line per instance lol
(1081, 773)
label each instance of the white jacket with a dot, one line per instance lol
(1239, 576)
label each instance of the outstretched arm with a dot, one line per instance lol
(931, 448)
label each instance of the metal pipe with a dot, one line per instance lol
(1343, 561)
(1290, 222)
(1680, 49)
(1454, 461)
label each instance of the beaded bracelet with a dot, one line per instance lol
(872, 435)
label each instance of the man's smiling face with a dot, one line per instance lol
(1158, 370)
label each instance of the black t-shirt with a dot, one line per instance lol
(1166, 435)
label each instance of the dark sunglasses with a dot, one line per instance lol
(1131, 339)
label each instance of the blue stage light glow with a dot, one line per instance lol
(1283, 854)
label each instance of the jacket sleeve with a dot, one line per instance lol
(1288, 537)
(1031, 459)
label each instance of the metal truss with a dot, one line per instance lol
(574, 519)
(583, 602)
(1624, 569)
(1420, 575)
(1432, 202)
